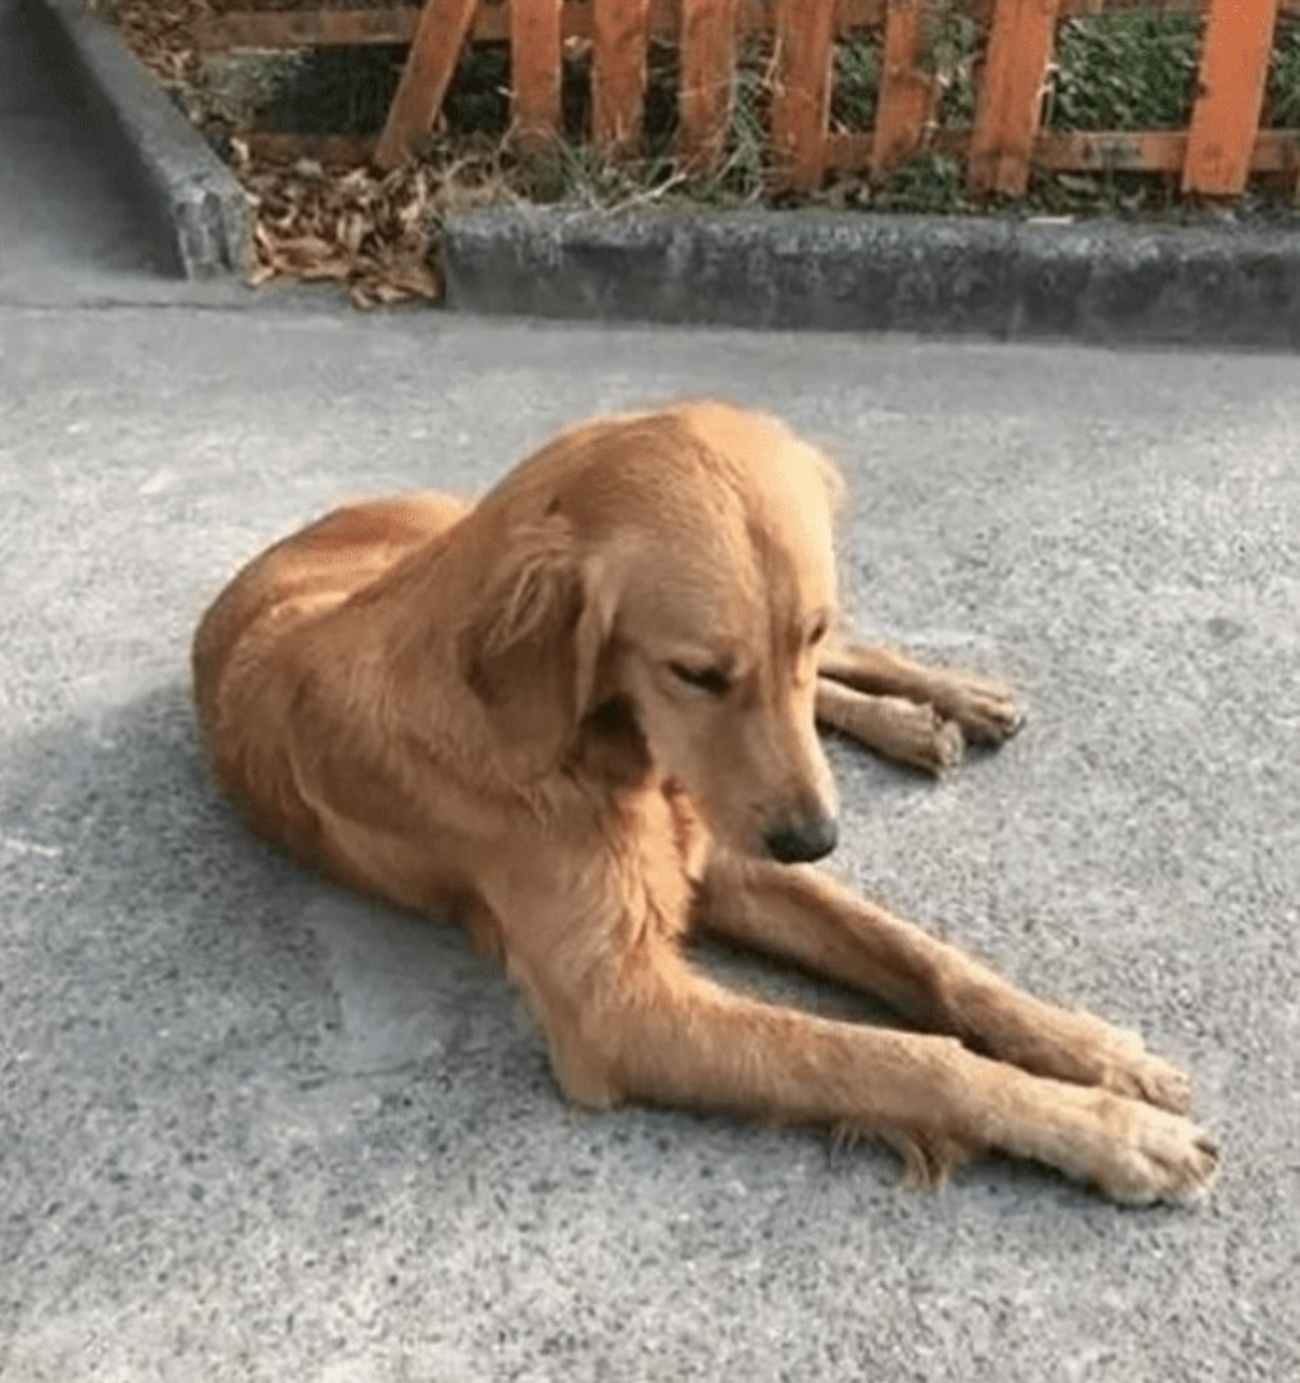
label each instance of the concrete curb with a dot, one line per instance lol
(195, 209)
(1093, 281)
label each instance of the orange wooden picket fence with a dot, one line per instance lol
(1221, 148)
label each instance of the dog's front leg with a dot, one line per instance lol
(803, 915)
(985, 709)
(908, 732)
(655, 1030)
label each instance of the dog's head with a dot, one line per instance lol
(672, 574)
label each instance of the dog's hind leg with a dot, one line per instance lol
(986, 709)
(802, 915)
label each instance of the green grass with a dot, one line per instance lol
(1124, 72)
(855, 83)
(1282, 99)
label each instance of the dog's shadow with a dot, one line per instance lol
(200, 917)
(116, 803)
(117, 798)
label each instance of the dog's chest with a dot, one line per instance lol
(661, 858)
(689, 834)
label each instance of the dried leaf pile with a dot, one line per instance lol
(374, 233)
(162, 35)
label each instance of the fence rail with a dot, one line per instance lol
(1222, 146)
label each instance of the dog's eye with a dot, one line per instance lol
(709, 679)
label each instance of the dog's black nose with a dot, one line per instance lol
(802, 841)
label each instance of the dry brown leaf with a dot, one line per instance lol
(375, 233)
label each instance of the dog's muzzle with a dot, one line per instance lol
(802, 840)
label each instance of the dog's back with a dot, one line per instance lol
(308, 573)
(243, 654)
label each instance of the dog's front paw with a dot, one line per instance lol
(1141, 1076)
(936, 746)
(987, 711)
(1076, 1046)
(1117, 1060)
(1151, 1156)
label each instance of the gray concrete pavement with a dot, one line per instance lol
(254, 1128)
(50, 175)
(71, 229)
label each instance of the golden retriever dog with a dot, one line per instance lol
(580, 717)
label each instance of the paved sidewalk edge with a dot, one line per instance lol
(196, 210)
(1098, 281)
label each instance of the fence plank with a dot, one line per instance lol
(907, 89)
(1154, 151)
(1225, 119)
(1078, 151)
(1009, 105)
(1087, 151)
(277, 29)
(1073, 9)
(621, 33)
(801, 104)
(306, 28)
(536, 64)
(255, 28)
(439, 37)
(708, 59)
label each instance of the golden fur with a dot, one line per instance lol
(580, 717)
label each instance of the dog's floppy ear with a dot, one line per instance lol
(530, 648)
